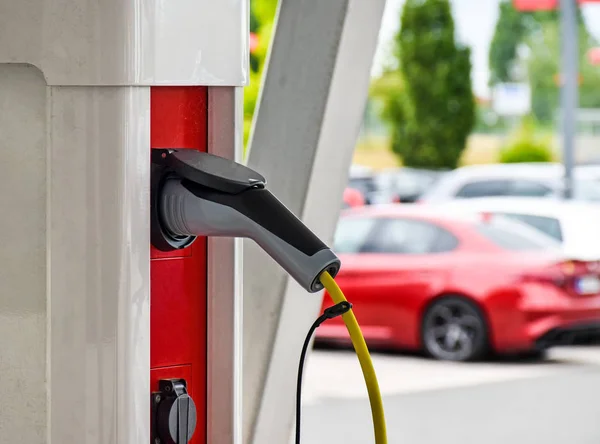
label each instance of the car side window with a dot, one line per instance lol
(406, 236)
(444, 242)
(528, 188)
(515, 240)
(547, 225)
(352, 233)
(484, 188)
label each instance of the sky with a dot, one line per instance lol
(475, 22)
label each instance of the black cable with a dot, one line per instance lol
(318, 322)
(329, 313)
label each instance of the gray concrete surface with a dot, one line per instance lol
(553, 402)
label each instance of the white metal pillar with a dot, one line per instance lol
(308, 119)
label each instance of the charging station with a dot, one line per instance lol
(105, 339)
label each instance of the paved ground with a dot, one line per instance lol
(427, 402)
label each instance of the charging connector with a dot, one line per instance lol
(198, 194)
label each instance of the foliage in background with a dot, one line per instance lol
(540, 31)
(433, 111)
(254, 28)
(386, 94)
(488, 122)
(262, 16)
(527, 146)
(544, 70)
(509, 34)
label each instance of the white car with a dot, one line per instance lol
(574, 224)
(593, 171)
(517, 180)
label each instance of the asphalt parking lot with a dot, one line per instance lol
(556, 401)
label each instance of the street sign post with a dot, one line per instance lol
(569, 88)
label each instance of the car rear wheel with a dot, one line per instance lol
(454, 329)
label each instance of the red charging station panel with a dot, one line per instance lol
(178, 119)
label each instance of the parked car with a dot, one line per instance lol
(455, 286)
(573, 224)
(352, 198)
(591, 170)
(363, 179)
(518, 180)
(407, 184)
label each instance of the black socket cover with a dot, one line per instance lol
(176, 414)
(172, 427)
(208, 170)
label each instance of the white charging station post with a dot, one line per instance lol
(75, 86)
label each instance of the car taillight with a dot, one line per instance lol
(550, 276)
(579, 278)
(583, 276)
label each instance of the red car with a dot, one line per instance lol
(458, 288)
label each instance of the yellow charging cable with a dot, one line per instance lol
(360, 346)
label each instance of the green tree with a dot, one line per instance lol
(387, 92)
(254, 28)
(509, 34)
(262, 16)
(433, 118)
(541, 32)
(545, 65)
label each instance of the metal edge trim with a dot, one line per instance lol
(224, 310)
